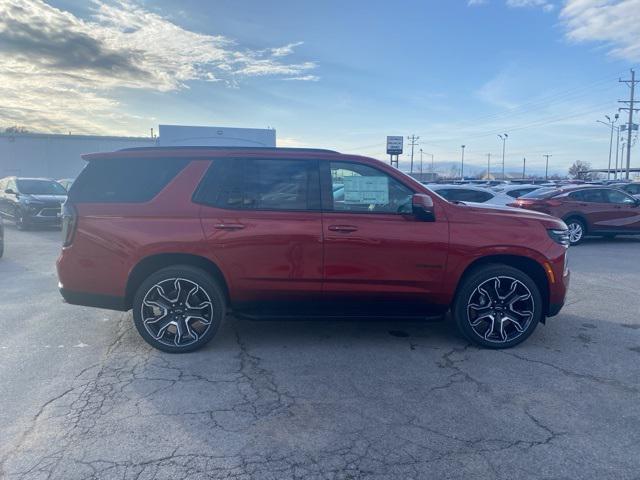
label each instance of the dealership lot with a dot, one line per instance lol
(84, 397)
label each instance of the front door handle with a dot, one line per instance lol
(228, 226)
(343, 228)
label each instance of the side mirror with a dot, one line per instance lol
(422, 207)
(9, 191)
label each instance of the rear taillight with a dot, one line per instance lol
(69, 223)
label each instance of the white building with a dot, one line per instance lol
(59, 156)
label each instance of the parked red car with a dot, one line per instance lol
(182, 235)
(587, 210)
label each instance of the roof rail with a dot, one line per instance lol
(203, 147)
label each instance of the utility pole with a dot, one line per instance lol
(546, 170)
(524, 167)
(413, 141)
(488, 166)
(504, 141)
(462, 165)
(631, 83)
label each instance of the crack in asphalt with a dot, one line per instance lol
(245, 424)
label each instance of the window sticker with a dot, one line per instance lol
(366, 190)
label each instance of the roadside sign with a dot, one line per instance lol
(394, 145)
(623, 127)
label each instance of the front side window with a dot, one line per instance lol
(614, 196)
(633, 189)
(360, 188)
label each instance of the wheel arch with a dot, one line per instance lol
(579, 216)
(525, 264)
(153, 263)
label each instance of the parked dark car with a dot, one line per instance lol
(180, 235)
(587, 210)
(31, 201)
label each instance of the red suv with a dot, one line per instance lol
(587, 210)
(183, 235)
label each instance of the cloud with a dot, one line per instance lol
(473, 3)
(57, 69)
(616, 23)
(544, 4)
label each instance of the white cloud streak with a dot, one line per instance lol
(59, 71)
(616, 23)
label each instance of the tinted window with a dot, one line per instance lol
(593, 196)
(124, 180)
(360, 188)
(40, 187)
(615, 196)
(542, 193)
(261, 184)
(633, 189)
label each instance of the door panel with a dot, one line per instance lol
(263, 226)
(379, 261)
(625, 214)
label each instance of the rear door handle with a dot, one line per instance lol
(228, 226)
(343, 228)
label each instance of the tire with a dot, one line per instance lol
(577, 230)
(163, 302)
(516, 299)
(21, 223)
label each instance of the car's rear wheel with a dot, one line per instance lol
(497, 306)
(178, 309)
(577, 230)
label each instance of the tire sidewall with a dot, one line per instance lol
(205, 281)
(477, 277)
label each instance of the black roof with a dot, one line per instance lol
(205, 148)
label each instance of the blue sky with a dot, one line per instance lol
(330, 74)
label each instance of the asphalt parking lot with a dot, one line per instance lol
(82, 396)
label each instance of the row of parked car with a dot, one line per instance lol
(587, 209)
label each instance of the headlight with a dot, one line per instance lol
(559, 236)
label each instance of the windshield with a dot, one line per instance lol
(40, 187)
(542, 193)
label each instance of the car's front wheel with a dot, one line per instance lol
(497, 306)
(577, 230)
(178, 309)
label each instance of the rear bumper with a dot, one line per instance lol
(93, 300)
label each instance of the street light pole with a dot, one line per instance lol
(615, 173)
(524, 167)
(546, 170)
(504, 141)
(488, 166)
(610, 124)
(462, 165)
(420, 164)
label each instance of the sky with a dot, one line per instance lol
(330, 74)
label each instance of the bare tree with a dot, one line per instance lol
(580, 170)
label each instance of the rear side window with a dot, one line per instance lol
(261, 184)
(519, 192)
(124, 180)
